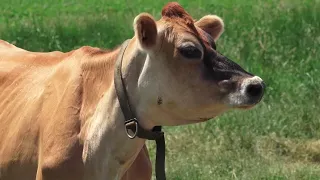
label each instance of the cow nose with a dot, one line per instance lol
(254, 90)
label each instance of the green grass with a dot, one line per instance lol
(277, 40)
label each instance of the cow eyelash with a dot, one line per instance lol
(190, 52)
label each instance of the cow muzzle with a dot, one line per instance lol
(253, 88)
(249, 93)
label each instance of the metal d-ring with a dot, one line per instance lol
(132, 125)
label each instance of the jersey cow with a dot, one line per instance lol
(60, 116)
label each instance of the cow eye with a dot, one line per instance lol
(190, 52)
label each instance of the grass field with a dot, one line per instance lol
(279, 40)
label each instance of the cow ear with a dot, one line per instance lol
(211, 24)
(145, 30)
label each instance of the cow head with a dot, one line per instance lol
(183, 78)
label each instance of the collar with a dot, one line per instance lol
(131, 123)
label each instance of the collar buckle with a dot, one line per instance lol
(131, 127)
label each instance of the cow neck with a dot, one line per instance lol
(132, 127)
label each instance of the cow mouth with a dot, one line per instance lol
(246, 106)
(205, 119)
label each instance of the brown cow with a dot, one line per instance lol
(60, 116)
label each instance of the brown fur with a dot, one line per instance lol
(174, 10)
(45, 100)
(173, 13)
(39, 92)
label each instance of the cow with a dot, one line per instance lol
(60, 116)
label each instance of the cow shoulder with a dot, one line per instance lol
(70, 89)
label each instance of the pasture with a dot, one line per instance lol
(278, 40)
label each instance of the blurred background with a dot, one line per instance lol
(278, 40)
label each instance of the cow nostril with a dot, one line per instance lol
(254, 90)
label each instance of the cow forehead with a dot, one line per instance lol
(173, 13)
(180, 27)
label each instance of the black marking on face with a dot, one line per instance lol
(210, 40)
(159, 100)
(216, 66)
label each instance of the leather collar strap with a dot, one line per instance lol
(131, 123)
